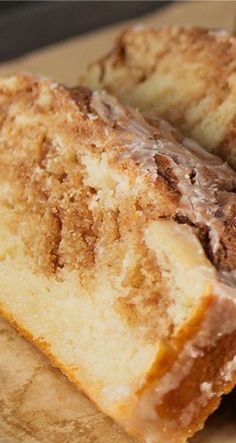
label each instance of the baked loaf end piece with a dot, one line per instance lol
(117, 254)
(183, 74)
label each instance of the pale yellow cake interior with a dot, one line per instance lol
(95, 281)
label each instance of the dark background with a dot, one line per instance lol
(25, 26)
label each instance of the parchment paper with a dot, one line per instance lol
(37, 403)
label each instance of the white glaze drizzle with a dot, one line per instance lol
(199, 202)
(229, 370)
(198, 403)
(199, 194)
(219, 321)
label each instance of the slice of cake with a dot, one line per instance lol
(185, 75)
(117, 254)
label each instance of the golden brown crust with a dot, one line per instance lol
(56, 211)
(199, 392)
(40, 404)
(184, 74)
(207, 369)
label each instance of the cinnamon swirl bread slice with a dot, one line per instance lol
(117, 255)
(183, 74)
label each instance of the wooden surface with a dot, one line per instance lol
(37, 403)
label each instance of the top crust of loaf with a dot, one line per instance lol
(186, 75)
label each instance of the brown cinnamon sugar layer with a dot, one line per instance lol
(186, 75)
(199, 187)
(121, 234)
